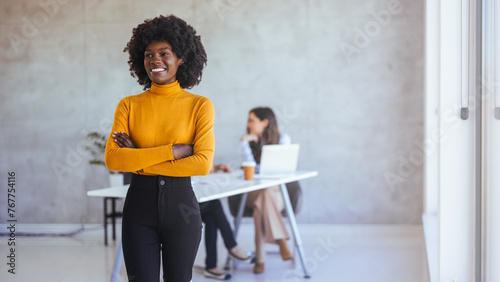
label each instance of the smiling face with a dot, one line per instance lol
(161, 63)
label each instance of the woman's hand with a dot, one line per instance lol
(250, 137)
(123, 140)
(221, 167)
(181, 151)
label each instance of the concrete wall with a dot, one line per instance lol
(344, 77)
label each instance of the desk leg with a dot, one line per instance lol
(295, 230)
(237, 225)
(113, 213)
(118, 264)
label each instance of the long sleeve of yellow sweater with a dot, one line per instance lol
(155, 120)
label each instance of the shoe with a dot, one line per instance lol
(258, 268)
(221, 276)
(284, 251)
(248, 259)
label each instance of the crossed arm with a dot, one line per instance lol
(179, 160)
(179, 151)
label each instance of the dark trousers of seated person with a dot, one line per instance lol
(214, 218)
(160, 218)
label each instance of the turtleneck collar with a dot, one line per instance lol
(168, 89)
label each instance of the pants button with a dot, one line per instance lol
(162, 182)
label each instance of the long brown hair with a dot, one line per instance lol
(271, 134)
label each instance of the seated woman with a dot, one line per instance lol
(267, 204)
(214, 218)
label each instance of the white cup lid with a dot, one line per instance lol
(248, 164)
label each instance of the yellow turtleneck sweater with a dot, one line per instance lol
(155, 120)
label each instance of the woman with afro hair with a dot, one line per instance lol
(164, 136)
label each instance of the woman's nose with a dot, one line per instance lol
(155, 61)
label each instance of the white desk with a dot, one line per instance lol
(221, 185)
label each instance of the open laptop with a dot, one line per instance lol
(278, 160)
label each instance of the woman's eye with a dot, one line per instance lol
(148, 56)
(165, 54)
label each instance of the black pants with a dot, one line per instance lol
(160, 216)
(214, 218)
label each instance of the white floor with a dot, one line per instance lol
(343, 253)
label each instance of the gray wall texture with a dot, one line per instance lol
(345, 79)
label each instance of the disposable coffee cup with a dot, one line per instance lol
(248, 169)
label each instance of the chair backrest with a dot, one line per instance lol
(294, 192)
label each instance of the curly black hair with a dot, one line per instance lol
(185, 44)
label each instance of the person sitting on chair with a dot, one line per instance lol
(267, 204)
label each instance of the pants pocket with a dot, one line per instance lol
(183, 211)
